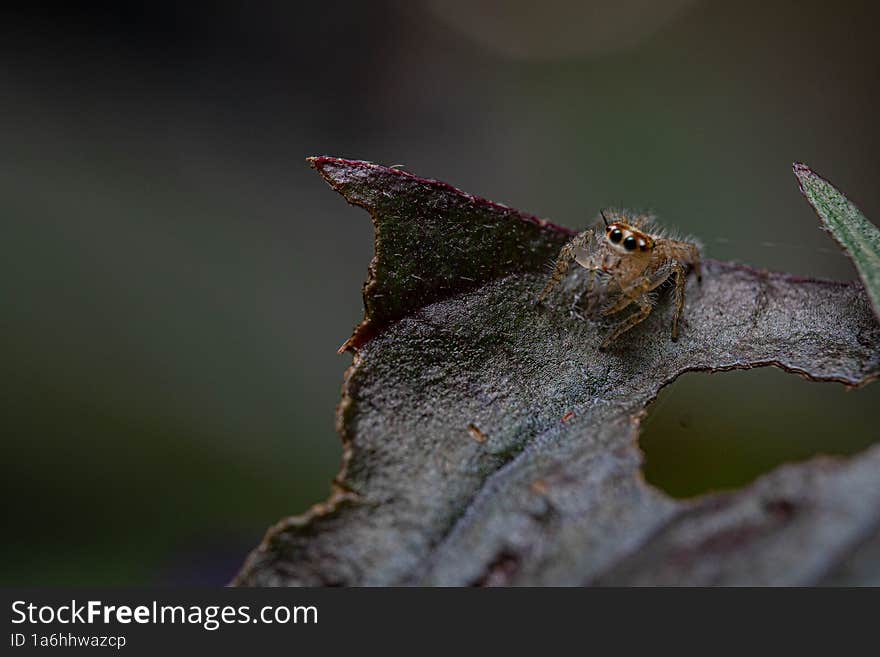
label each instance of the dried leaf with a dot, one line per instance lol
(488, 441)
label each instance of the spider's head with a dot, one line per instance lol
(627, 239)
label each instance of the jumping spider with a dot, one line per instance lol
(633, 258)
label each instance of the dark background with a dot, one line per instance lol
(176, 280)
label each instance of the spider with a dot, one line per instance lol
(634, 258)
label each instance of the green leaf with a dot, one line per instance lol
(487, 440)
(858, 237)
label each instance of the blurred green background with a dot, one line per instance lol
(176, 280)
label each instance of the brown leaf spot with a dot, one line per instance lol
(540, 487)
(476, 434)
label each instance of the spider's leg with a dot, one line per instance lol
(637, 317)
(623, 302)
(563, 262)
(688, 254)
(680, 280)
(695, 263)
(629, 294)
(659, 281)
(560, 269)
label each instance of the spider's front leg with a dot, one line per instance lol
(645, 308)
(629, 294)
(563, 262)
(688, 254)
(693, 259)
(635, 292)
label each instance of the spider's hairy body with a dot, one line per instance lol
(632, 257)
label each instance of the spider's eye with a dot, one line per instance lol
(643, 245)
(615, 235)
(629, 243)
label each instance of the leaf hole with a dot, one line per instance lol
(720, 431)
